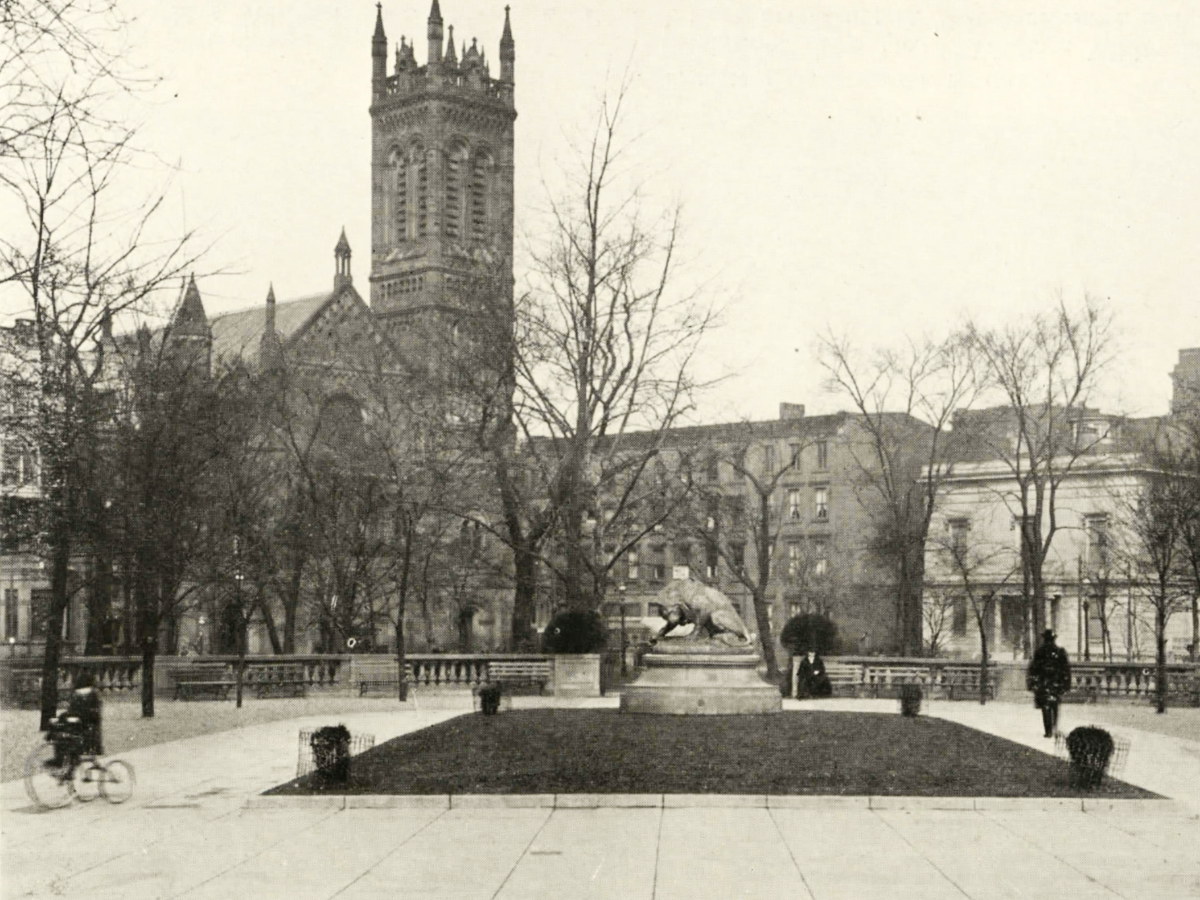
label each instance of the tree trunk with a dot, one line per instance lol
(765, 638)
(148, 656)
(1195, 654)
(148, 636)
(1160, 657)
(239, 676)
(983, 665)
(59, 598)
(99, 606)
(524, 600)
(264, 610)
(401, 660)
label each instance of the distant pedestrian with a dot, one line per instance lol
(811, 680)
(1049, 678)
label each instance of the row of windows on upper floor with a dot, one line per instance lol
(767, 463)
(803, 558)
(467, 206)
(1094, 525)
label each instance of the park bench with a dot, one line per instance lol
(846, 678)
(281, 681)
(885, 680)
(383, 682)
(203, 679)
(962, 681)
(25, 688)
(511, 673)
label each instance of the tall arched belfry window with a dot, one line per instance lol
(482, 169)
(395, 199)
(456, 194)
(418, 176)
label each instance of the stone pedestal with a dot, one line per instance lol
(696, 678)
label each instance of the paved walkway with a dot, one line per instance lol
(188, 832)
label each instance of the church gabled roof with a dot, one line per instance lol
(237, 335)
(189, 318)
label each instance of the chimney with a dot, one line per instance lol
(791, 411)
(1185, 381)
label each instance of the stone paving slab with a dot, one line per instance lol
(193, 830)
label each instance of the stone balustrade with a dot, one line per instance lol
(120, 677)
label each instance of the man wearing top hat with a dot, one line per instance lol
(1049, 678)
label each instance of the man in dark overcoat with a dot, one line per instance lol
(1049, 678)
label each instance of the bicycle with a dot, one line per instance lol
(56, 771)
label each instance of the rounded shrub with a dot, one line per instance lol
(331, 752)
(489, 699)
(810, 631)
(575, 631)
(910, 700)
(1090, 749)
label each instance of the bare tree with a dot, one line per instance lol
(171, 427)
(79, 258)
(747, 514)
(901, 464)
(602, 345)
(1045, 370)
(1154, 518)
(980, 570)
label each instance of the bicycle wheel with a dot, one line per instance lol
(87, 778)
(117, 783)
(49, 786)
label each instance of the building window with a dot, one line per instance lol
(631, 560)
(793, 560)
(737, 557)
(958, 529)
(769, 460)
(959, 623)
(821, 501)
(820, 557)
(793, 498)
(1097, 540)
(481, 176)
(794, 453)
(658, 563)
(711, 561)
(822, 454)
(18, 463)
(11, 599)
(712, 468)
(683, 560)
(737, 509)
(39, 612)
(712, 508)
(456, 164)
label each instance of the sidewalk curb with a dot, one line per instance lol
(711, 801)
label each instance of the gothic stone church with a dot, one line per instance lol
(441, 210)
(441, 219)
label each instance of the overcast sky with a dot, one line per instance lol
(880, 168)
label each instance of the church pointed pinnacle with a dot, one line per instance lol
(451, 56)
(507, 52)
(379, 33)
(435, 13)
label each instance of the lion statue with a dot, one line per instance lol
(711, 612)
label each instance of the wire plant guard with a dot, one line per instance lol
(328, 750)
(1093, 758)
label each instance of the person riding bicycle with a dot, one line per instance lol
(80, 724)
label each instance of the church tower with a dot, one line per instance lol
(441, 179)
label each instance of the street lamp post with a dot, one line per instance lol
(621, 597)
